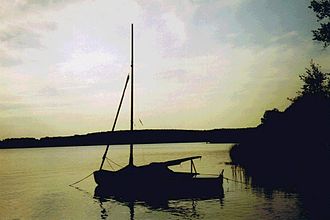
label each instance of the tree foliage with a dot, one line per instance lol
(322, 10)
(315, 82)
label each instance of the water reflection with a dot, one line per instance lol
(313, 200)
(104, 213)
(177, 206)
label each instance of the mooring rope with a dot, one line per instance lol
(108, 159)
(81, 180)
(236, 181)
(228, 179)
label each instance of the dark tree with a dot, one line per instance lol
(315, 81)
(290, 144)
(322, 10)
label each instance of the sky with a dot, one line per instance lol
(198, 64)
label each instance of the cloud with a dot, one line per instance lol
(22, 28)
(11, 106)
(20, 38)
(86, 62)
(263, 20)
(10, 9)
(177, 75)
(284, 37)
(48, 91)
(7, 59)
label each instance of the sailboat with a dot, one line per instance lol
(154, 180)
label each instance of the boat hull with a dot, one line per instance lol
(143, 186)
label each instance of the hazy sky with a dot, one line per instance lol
(198, 64)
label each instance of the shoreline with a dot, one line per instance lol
(123, 137)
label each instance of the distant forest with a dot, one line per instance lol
(136, 137)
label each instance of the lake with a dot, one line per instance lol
(34, 184)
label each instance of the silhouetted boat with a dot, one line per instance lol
(155, 180)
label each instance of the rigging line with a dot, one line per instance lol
(81, 180)
(109, 164)
(114, 162)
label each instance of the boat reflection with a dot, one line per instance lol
(164, 202)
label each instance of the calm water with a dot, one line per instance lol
(34, 184)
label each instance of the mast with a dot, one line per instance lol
(131, 145)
